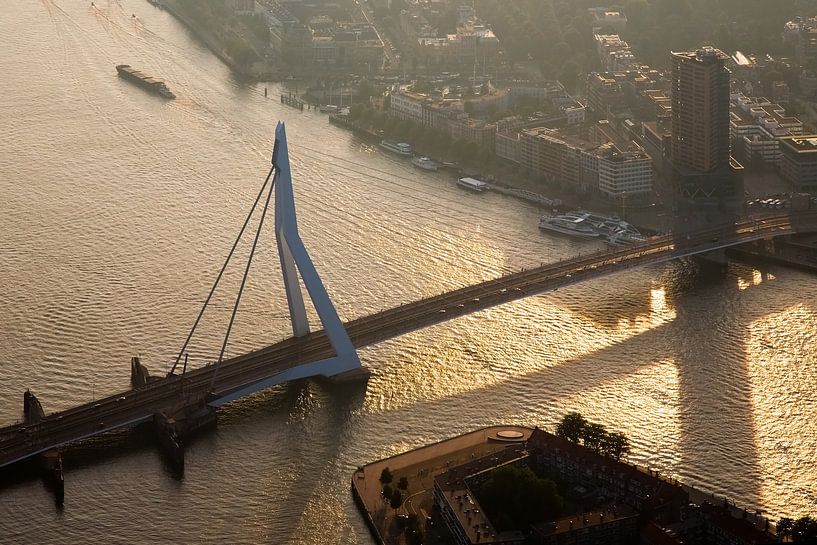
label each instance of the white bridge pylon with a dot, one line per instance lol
(295, 259)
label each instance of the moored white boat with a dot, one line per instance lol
(425, 163)
(400, 148)
(472, 184)
(569, 224)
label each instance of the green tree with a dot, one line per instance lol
(616, 445)
(804, 529)
(784, 527)
(516, 498)
(571, 427)
(594, 435)
(396, 499)
(386, 476)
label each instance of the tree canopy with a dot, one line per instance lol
(516, 498)
(574, 427)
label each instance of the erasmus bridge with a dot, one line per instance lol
(182, 400)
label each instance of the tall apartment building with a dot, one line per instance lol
(700, 125)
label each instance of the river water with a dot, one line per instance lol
(117, 209)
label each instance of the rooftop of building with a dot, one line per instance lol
(584, 520)
(464, 505)
(621, 142)
(663, 491)
(752, 111)
(570, 137)
(706, 54)
(723, 519)
(801, 144)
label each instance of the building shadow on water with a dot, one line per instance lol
(706, 341)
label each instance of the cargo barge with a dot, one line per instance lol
(143, 80)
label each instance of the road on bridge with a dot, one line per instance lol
(18, 442)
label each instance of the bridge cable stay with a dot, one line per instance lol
(244, 279)
(221, 272)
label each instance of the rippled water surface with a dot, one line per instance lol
(117, 208)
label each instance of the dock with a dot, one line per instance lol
(292, 101)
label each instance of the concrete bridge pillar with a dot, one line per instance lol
(50, 462)
(139, 375)
(713, 262)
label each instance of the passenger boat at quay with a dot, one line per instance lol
(400, 148)
(591, 225)
(143, 80)
(472, 184)
(575, 225)
(425, 163)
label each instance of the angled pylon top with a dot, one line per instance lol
(295, 259)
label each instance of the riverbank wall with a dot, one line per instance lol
(265, 73)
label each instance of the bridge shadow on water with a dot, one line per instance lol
(297, 433)
(717, 447)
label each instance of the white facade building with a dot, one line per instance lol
(624, 174)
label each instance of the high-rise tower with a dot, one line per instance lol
(700, 125)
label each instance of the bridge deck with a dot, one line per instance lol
(18, 441)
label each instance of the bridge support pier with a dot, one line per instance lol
(176, 426)
(713, 262)
(354, 375)
(139, 375)
(32, 409)
(50, 461)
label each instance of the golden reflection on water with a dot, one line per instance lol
(782, 373)
(505, 343)
(647, 399)
(755, 280)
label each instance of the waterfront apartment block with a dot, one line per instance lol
(619, 525)
(606, 502)
(627, 485)
(448, 114)
(599, 161)
(798, 162)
